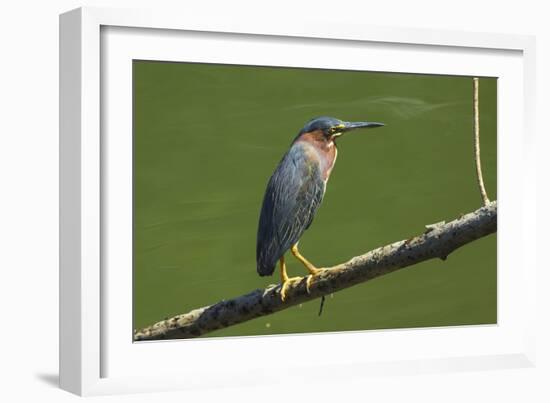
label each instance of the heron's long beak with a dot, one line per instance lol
(358, 125)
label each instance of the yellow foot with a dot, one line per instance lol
(313, 272)
(285, 284)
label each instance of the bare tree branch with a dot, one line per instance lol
(438, 241)
(477, 155)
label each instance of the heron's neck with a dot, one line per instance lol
(331, 153)
(326, 150)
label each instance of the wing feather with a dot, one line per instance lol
(293, 194)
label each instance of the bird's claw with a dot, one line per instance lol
(308, 282)
(310, 277)
(285, 284)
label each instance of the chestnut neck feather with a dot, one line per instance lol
(325, 148)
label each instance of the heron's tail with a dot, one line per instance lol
(265, 268)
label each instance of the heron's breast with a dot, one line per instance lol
(321, 153)
(326, 154)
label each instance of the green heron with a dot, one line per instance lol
(294, 192)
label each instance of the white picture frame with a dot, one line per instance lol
(87, 347)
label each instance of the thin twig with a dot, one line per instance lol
(438, 242)
(484, 197)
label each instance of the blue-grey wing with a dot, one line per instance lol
(293, 194)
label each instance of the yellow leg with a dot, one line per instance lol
(310, 267)
(285, 280)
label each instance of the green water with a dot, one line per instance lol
(208, 137)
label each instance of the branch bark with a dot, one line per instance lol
(438, 241)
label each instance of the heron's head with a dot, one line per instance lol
(332, 128)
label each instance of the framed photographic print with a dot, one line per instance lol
(356, 166)
(197, 200)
